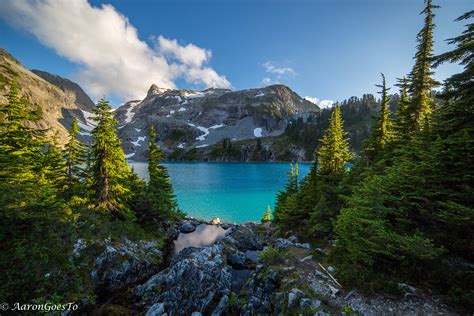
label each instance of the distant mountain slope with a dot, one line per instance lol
(59, 99)
(187, 119)
(83, 101)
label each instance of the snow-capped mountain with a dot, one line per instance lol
(186, 119)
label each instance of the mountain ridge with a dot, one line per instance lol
(187, 119)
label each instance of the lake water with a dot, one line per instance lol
(234, 192)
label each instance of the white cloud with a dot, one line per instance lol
(189, 54)
(280, 71)
(266, 81)
(323, 104)
(276, 75)
(112, 60)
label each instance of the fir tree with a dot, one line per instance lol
(75, 156)
(334, 153)
(419, 212)
(109, 169)
(401, 125)
(291, 187)
(160, 196)
(22, 156)
(381, 128)
(421, 81)
(268, 215)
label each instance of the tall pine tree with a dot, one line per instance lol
(159, 192)
(402, 123)
(75, 157)
(334, 153)
(109, 169)
(381, 128)
(421, 76)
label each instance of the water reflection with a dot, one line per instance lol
(204, 235)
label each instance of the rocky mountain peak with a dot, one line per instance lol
(155, 90)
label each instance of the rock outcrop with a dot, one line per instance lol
(120, 265)
(197, 280)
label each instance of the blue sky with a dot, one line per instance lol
(329, 49)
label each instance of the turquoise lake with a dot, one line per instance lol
(234, 192)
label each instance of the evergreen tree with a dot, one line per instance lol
(415, 220)
(109, 169)
(334, 153)
(291, 187)
(21, 156)
(381, 128)
(268, 215)
(75, 156)
(159, 193)
(421, 81)
(30, 209)
(402, 126)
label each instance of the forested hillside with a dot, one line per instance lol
(403, 211)
(56, 202)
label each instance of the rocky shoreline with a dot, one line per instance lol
(239, 270)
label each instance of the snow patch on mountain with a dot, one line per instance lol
(216, 126)
(85, 127)
(140, 139)
(129, 115)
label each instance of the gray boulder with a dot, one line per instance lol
(187, 228)
(156, 309)
(120, 265)
(294, 296)
(195, 280)
(237, 260)
(282, 243)
(245, 238)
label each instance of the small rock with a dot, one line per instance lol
(221, 307)
(308, 258)
(273, 276)
(251, 256)
(294, 296)
(283, 243)
(406, 288)
(225, 226)
(331, 269)
(305, 245)
(288, 269)
(293, 238)
(216, 221)
(291, 299)
(187, 228)
(334, 290)
(305, 302)
(320, 251)
(79, 245)
(196, 314)
(315, 303)
(236, 260)
(156, 309)
(350, 294)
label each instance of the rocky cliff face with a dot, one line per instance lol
(59, 99)
(186, 120)
(69, 87)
